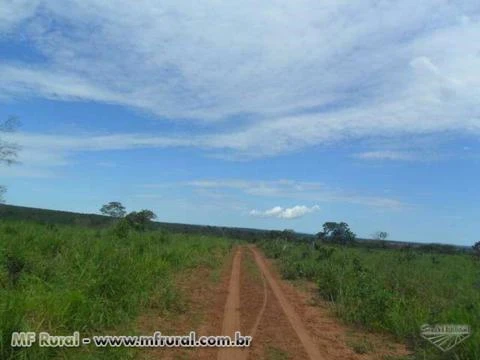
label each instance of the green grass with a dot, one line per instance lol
(394, 291)
(62, 279)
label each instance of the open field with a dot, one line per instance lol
(62, 279)
(394, 291)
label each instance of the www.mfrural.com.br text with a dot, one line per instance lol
(44, 339)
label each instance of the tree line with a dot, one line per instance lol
(137, 220)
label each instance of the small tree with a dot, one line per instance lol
(336, 232)
(140, 220)
(114, 209)
(3, 190)
(8, 150)
(380, 235)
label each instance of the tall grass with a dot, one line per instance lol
(395, 291)
(65, 279)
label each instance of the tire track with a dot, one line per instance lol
(254, 329)
(297, 324)
(231, 319)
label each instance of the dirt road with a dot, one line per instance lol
(289, 311)
(231, 319)
(286, 322)
(281, 321)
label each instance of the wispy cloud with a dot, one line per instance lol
(294, 212)
(412, 73)
(15, 12)
(297, 190)
(387, 155)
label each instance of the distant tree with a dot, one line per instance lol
(476, 248)
(288, 234)
(3, 190)
(273, 234)
(140, 220)
(339, 233)
(380, 235)
(8, 150)
(147, 215)
(114, 209)
(328, 229)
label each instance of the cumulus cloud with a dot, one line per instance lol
(286, 213)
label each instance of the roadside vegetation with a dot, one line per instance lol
(388, 290)
(62, 279)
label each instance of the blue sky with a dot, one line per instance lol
(268, 115)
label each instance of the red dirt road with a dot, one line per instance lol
(297, 324)
(281, 322)
(231, 318)
(286, 322)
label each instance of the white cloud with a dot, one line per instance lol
(15, 12)
(286, 213)
(45, 151)
(387, 155)
(234, 184)
(305, 79)
(211, 60)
